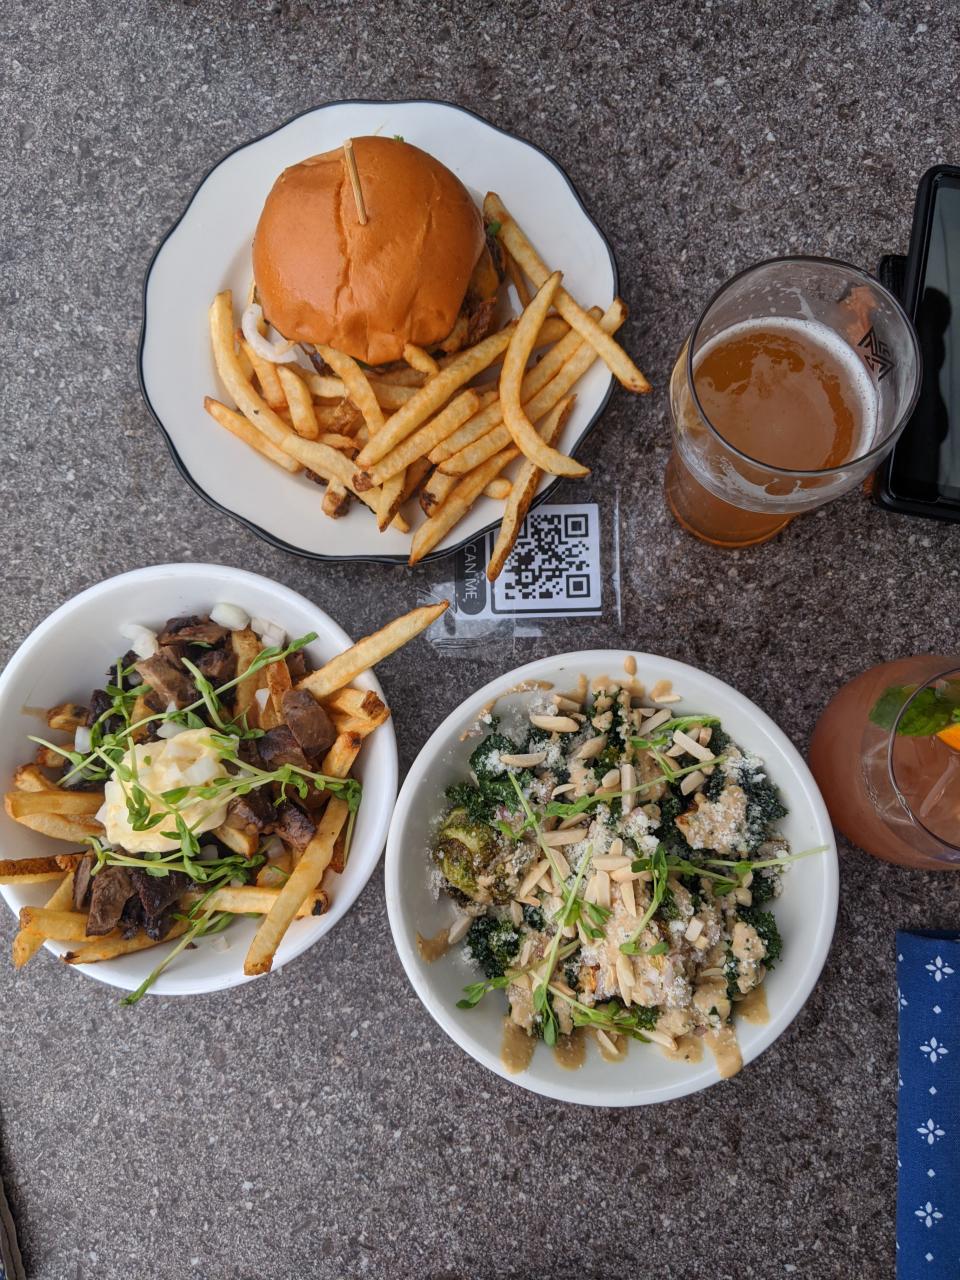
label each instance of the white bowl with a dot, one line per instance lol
(806, 912)
(208, 249)
(68, 655)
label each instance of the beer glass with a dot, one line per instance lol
(793, 385)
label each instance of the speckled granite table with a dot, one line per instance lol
(318, 1123)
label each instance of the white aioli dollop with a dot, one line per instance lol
(189, 759)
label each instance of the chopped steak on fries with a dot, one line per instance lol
(209, 778)
(381, 282)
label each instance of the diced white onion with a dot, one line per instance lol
(261, 696)
(143, 641)
(274, 848)
(81, 739)
(269, 632)
(230, 616)
(281, 352)
(219, 941)
(170, 729)
(208, 852)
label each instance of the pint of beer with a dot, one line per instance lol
(793, 386)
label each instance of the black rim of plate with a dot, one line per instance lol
(271, 538)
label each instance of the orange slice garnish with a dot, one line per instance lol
(951, 736)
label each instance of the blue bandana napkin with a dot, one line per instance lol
(928, 1122)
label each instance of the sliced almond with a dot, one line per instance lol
(628, 898)
(555, 724)
(655, 721)
(691, 781)
(603, 889)
(533, 878)
(569, 930)
(616, 847)
(563, 703)
(694, 929)
(661, 1038)
(625, 978)
(592, 747)
(744, 896)
(662, 693)
(560, 865)
(606, 1043)
(611, 779)
(628, 780)
(566, 823)
(561, 790)
(706, 733)
(691, 745)
(525, 952)
(611, 862)
(570, 836)
(527, 760)
(623, 875)
(458, 929)
(516, 912)
(675, 752)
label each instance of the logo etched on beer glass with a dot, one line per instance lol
(780, 399)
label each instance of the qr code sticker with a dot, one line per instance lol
(554, 567)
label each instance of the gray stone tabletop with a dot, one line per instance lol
(318, 1123)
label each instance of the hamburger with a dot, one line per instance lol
(421, 270)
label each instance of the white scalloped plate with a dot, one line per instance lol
(208, 249)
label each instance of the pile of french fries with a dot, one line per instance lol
(286, 888)
(421, 429)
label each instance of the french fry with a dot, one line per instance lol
(524, 487)
(59, 926)
(337, 441)
(522, 430)
(266, 375)
(27, 944)
(541, 403)
(389, 395)
(351, 701)
(246, 645)
(362, 723)
(29, 777)
(36, 870)
(48, 758)
(336, 500)
(238, 426)
(108, 948)
(302, 414)
(457, 504)
(527, 258)
(20, 804)
(274, 874)
(304, 879)
(391, 499)
(372, 649)
(243, 842)
(499, 489)
(420, 360)
(436, 491)
(534, 380)
(427, 399)
(416, 473)
(432, 433)
(318, 457)
(257, 900)
(517, 279)
(67, 716)
(339, 760)
(278, 682)
(358, 388)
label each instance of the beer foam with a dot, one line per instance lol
(821, 335)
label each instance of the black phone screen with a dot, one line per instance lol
(925, 466)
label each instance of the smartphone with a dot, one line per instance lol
(922, 474)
